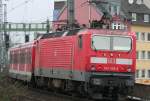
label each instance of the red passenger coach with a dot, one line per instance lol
(92, 61)
(22, 61)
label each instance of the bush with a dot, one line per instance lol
(10, 91)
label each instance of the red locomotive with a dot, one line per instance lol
(98, 62)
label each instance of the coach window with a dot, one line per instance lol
(18, 58)
(14, 61)
(29, 57)
(21, 58)
(15, 58)
(24, 57)
(10, 59)
(80, 41)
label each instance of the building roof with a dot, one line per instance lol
(140, 9)
(105, 7)
(59, 5)
(126, 8)
(136, 8)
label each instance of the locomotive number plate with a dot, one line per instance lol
(111, 61)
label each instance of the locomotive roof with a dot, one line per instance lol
(110, 32)
(25, 45)
(61, 33)
(84, 31)
(75, 32)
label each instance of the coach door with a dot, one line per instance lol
(72, 61)
(79, 59)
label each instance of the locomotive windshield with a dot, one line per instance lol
(115, 43)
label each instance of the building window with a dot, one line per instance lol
(114, 10)
(137, 55)
(139, 2)
(148, 37)
(137, 35)
(143, 55)
(148, 53)
(148, 73)
(118, 26)
(146, 18)
(143, 36)
(137, 73)
(114, 26)
(133, 16)
(143, 74)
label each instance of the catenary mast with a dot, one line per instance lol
(3, 52)
(1, 36)
(70, 15)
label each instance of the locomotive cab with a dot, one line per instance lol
(111, 64)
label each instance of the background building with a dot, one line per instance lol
(141, 25)
(135, 10)
(58, 6)
(92, 9)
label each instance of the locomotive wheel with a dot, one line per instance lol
(39, 81)
(49, 84)
(33, 82)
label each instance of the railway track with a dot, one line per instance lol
(37, 94)
(44, 95)
(140, 93)
(53, 96)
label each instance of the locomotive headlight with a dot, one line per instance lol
(93, 68)
(129, 69)
(97, 81)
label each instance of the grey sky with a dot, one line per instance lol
(29, 10)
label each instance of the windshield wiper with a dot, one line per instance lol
(93, 46)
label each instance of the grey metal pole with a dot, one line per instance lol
(71, 15)
(1, 36)
(6, 36)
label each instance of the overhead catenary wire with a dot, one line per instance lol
(19, 5)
